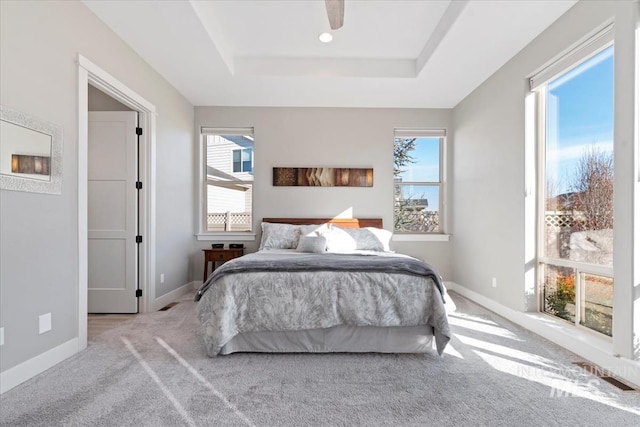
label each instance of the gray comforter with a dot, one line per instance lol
(276, 291)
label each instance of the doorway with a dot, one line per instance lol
(91, 74)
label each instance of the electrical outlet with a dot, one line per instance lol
(44, 323)
(162, 278)
(2, 336)
(494, 282)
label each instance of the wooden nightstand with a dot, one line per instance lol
(218, 255)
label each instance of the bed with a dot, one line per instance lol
(323, 285)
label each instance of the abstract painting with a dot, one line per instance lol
(323, 177)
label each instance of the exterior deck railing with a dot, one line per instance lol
(229, 221)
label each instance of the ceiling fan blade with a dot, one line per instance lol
(335, 12)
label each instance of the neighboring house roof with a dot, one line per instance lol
(239, 139)
(218, 177)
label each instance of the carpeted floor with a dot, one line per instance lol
(152, 371)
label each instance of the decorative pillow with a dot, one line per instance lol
(279, 236)
(314, 244)
(349, 239)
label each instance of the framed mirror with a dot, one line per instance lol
(30, 153)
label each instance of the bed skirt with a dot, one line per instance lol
(338, 339)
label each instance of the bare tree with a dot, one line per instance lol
(402, 148)
(402, 212)
(593, 190)
(553, 201)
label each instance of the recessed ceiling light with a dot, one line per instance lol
(325, 37)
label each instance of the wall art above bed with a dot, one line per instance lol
(323, 177)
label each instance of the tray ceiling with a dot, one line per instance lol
(416, 53)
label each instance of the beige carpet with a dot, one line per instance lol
(152, 371)
(99, 323)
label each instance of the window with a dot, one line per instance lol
(243, 160)
(418, 181)
(575, 243)
(228, 179)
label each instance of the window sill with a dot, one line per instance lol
(568, 330)
(421, 237)
(226, 237)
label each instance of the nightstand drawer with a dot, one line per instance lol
(223, 256)
(218, 255)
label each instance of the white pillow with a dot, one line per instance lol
(279, 236)
(313, 244)
(349, 239)
(338, 240)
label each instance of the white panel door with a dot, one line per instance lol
(113, 212)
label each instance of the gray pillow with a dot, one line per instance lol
(313, 244)
(348, 239)
(279, 236)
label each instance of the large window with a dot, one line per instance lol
(418, 181)
(228, 179)
(576, 221)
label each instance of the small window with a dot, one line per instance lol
(418, 181)
(243, 160)
(228, 180)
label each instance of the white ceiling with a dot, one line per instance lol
(389, 53)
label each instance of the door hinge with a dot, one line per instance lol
(138, 293)
(138, 131)
(138, 239)
(139, 185)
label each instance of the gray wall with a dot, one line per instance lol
(340, 137)
(489, 205)
(39, 44)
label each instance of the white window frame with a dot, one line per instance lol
(202, 233)
(579, 53)
(440, 235)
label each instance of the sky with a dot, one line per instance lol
(579, 115)
(426, 168)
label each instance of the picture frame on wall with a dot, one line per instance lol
(322, 177)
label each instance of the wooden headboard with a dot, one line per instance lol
(341, 222)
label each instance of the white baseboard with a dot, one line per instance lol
(40, 363)
(36, 365)
(174, 295)
(585, 344)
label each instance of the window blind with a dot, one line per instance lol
(416, 133)
(585, 49)
(226, 131)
